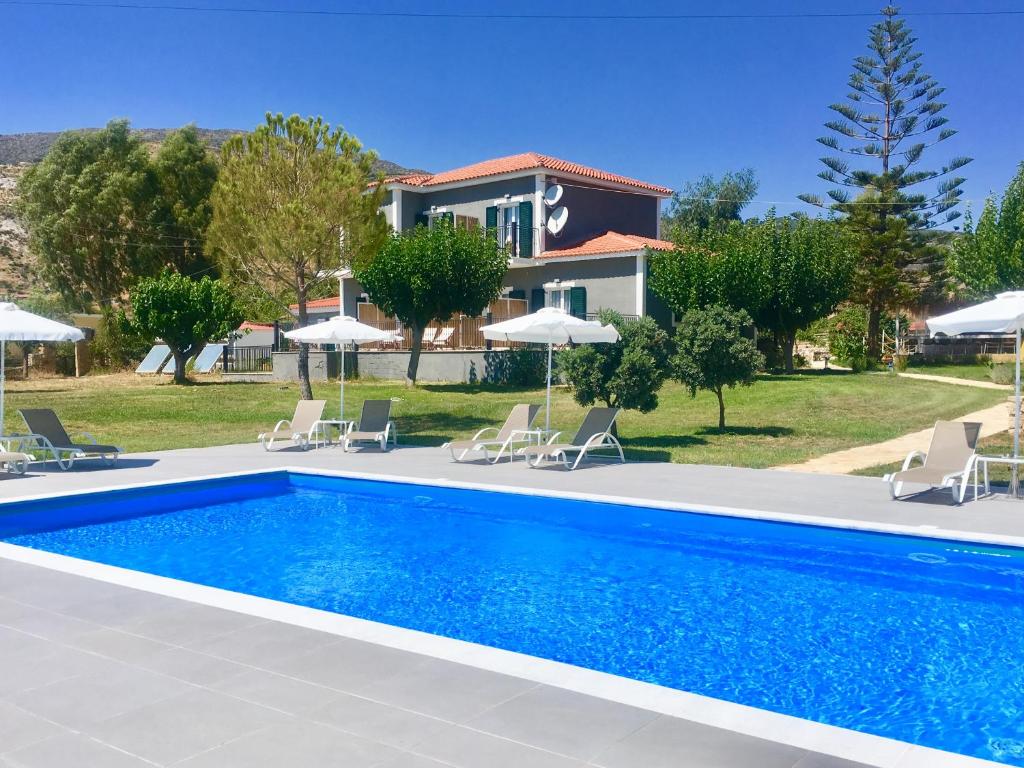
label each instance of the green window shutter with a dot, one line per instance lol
(578, 302)
(421, 218)
(491, 219)
(526, 230)
(449, 217)
(536, 299)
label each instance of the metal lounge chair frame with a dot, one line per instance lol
(594, 433)
(375, 426)
(948, 463)
(516, 429)
(15, 462)
(301, 429)
(47, 434)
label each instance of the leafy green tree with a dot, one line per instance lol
(294, 201)
(429, 274)
(709, 202)
(186, 172)
(990, 257)
(184, 313)
(712, 353)
(890, 118)
(87, 207)
(626, 374)
(785, 273)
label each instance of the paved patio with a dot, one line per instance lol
(95, 674)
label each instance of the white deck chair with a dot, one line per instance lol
(374, 426)
(48, 436)
(443, 337)
(514, 430)
(15, 462)
(428, 336)
(947, 464)
(302, 428)
(595, 432)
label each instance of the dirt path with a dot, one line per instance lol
(993, 421)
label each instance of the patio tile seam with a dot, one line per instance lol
(226, 742)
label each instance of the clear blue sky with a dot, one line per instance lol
(665, 101)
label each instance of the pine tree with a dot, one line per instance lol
(891, 116)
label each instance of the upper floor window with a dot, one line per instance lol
(512, 223)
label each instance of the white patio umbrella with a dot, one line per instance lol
(19, 325)
(550, 326)
(340, 330)
(1003, 314)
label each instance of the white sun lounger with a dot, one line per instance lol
(516, 429)
(947, 464)
(301, 428)
(593, 434)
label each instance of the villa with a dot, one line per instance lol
(577, 236)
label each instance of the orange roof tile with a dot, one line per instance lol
(331, 302)
(609, 242)
(526, 161)
(248, 326)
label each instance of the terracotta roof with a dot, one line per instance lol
(609, 242)
(526, 161)
(247, 326)
(331, 302)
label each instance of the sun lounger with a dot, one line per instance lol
(302, 429)
(375, 426)
(428, 336)
(48, 437)
(516, 429)
(593, 434)
(444, 335)
(14, 462)
(947, 464)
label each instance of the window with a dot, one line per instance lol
(559, 298)
(568, 297)
(512, 224)
(508, 229)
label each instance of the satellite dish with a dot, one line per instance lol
(552, 195)
(557, 219)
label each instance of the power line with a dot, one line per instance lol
(453, 15)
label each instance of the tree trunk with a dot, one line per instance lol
(179, 366)
(874, 333)
(721, 410)
(414, 356)
(788, 342)
(305, 389)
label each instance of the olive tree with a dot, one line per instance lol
(184, 313)
(712, 353)
(427, 274)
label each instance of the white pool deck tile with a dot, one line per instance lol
(94, 673)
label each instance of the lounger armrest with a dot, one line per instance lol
(965, 472)
(554, 438)
(281, 423)
(485, 430)
(88, 436)
(911, 456)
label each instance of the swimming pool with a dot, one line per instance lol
(911, 638)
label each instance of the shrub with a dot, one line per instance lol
(1003, 373)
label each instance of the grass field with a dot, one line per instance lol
(974, 371)
(782, 419)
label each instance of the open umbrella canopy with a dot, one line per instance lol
(1003, 314)
(551, 326)
(341, 329)
(19, 325)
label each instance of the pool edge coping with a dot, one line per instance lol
(869, 749)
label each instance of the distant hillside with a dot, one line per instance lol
(18, 268)
(18, 148)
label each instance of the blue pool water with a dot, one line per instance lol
(916, 639)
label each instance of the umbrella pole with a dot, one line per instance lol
(547, 410)
(341, 375)
(3, 381)
(1016, 415)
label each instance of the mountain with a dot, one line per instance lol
(18, 148)
(18, 269)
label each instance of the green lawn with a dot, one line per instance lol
(782, 419)
(975, 371)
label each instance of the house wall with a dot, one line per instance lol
(385, 206)
(593, 211)
(610, 283)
